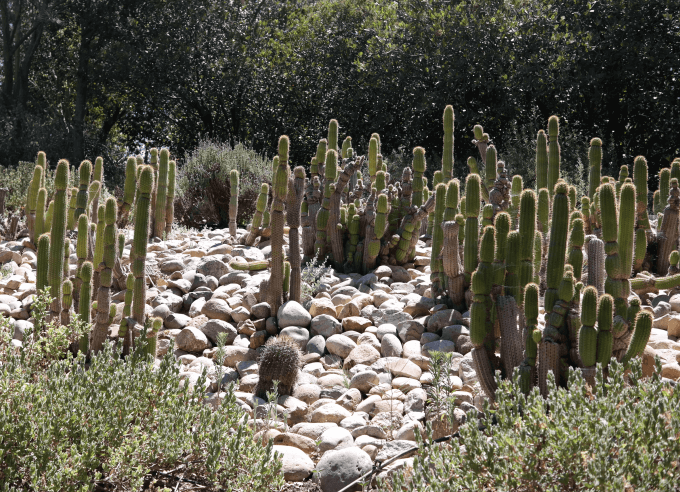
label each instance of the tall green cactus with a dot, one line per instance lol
(295, 191)
(84, 172)
(587, 337)
(436, 264)
(558, 244)
(527, 369)
(553, 153)
(161, 194)
(41, 279)
(233, 201)
(543, 210)
(98, 175)
(502, 227)
(170, 201)
(123, 332)
(140, 241)
(128, 191)
(527, 232)
(472, 205)
(57, 239)
(595, 166)
(85, 307)
(333, 135)
(260, 207)
(40, 213)
(541, 161)
(32, 201)
(280, 184)
(447, 155)
(576, 241)
(106, 271)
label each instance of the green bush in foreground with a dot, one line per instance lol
(67, 428)
(623, 436)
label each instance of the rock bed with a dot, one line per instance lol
(361, 393)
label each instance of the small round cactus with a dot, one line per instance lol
(279, 360)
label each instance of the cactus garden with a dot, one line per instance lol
(359, 313)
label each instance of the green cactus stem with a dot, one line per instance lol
(543, 210)
(527, 232)
(541, 161)
(502, 229)
(334, 236)
(667, 235)
(587, 338)
(436, 262)
(32, 201)
(233, 201)
(453, 268)
(472, 205)
(372, 158)
(84, 172)
(101, 327)
(170, 201)
(274, 288)
(41, 279)
(538, 256)
(512, 266)
(260, 207)
(333, 135)
(123, 332)
(407, 229)
(558, 244)
(85, 307)
(66, 302)
(57, 238)
(161, 194)
(139, 243)
(576, 241)
(595, 166)
(40, 213)
(447, 154)
(286, 279)
(643, 328)
(553, 153)
(129, 190)
(295, 192)
(491, 165)
(527, 369)
(515, 194)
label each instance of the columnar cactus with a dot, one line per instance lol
(512, 266)
(482, 141)
(101, 327)
(41, 279)
(447, 155)
(436, 262)
(333, 135)
(502, 229)
(587, 337)
(280, 184)
(58, 231)
(481, 327)
(595, 165)
(123, 332)
(39, 225)
(472, 204)
(527, 369)
(84, 172)
(82, 246)
(161, 194)
(170, 201)
(541, 161)
(553, 153)
(295, 192)
(372, 158)
(491, 166)
(260, 207)
(139, 243)
(128, 191)
(233, 201)
(98, 176)
(527, 232)
(576, 240)
(543, 210)
(152, 337)
(85, 307)
(66, 302)
(558, 245)
(99, 248)
(32, 201)
(336, 192)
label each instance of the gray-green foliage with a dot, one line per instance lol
(623, 434)
(66, 428)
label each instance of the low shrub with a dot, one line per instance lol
(203, 192)
(116, 424)
(623, 435)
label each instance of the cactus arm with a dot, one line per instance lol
(436, 262)
(102, 324)
(334, 236)
(233, 201)
(447, 155)
(280, 188)
(139, 243)
(558, 244)
(129, 191)
(85, 307)
(541, 160)
(57, 239)
(295, 192)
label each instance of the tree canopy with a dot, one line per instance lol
(81, 78)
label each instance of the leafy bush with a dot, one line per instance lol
(623, 435)
(311, 276)
(121, 423)
(203, 184)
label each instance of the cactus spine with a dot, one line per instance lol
(233, 201)
(57, 238)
